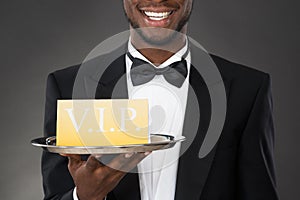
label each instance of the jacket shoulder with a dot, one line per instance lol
(236, 71)
(66, 73)
(64, 79)
(244, 82)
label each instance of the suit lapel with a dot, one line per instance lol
(102, 77)
(113, 84)
(98, 79)
(192, 170)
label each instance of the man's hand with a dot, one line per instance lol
(95, 180)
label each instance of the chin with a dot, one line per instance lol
(157, 36)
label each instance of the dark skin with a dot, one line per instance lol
(94, 180)
(162, 33)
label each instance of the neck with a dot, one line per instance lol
(155, 53)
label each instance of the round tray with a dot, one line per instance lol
(158, 142)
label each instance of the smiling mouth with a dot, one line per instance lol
(157, 16)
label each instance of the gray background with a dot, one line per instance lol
(40, 36)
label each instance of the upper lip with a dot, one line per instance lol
(156, 9)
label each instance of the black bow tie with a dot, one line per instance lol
(142, 72)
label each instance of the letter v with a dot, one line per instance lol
(72, 117)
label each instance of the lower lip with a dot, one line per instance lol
(157, 23)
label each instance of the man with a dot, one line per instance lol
(239, 167)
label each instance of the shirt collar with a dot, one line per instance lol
(176, 57)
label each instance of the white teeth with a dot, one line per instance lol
(157, 18)
(157, 15)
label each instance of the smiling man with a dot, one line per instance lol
(240, 166)
(167, 18)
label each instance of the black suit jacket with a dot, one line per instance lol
(240, 166)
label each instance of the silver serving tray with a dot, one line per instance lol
(158, 142)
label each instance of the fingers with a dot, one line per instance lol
(74, 163)
(92, 163)
(122, 162)
(126, 162)
(73, 156)
(134, 160)
(97, 156)
(119, 161)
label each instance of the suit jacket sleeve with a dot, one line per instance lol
(57, 181)
(256, 176)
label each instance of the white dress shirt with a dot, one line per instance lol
(167, 104)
